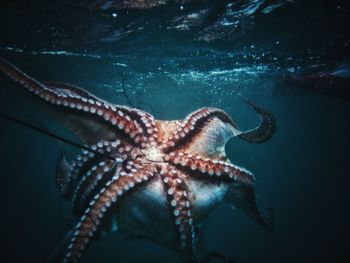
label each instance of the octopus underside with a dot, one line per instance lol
(143, 177)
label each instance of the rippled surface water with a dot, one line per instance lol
(173, 60)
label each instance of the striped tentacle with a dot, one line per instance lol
(99, 174)
(76, 101)
(87, 158)
(67, 175)
(211, 168)
(192, 125)
(264, 131)
(69, 88)
(144, 120)
(178, 198)
(117, 187)
(82, 163)
(89, 181)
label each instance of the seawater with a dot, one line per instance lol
(302, 172)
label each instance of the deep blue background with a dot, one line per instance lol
(302, 172)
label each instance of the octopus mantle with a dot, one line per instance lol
(144, 177)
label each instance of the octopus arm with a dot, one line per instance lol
(144, 120)
(181, 207)
(216, 169)
(71, 89)
(84, 114)
(264, 130)
(97, 215)
(205, 131)
(241, 191)
(79, 180)
(90, 183)
(243, 197)
(69, 175)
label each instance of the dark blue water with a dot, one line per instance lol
(175, 59)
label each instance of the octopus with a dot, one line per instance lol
(143, 177)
